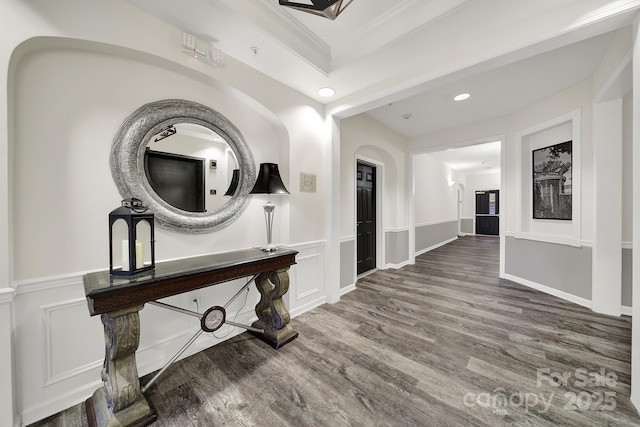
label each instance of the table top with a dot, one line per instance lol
(106, 292)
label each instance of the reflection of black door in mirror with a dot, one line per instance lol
(487, 212)
(177, 179)
(366, 218)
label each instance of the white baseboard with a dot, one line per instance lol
(626, 311)
(73, 397)
(309, 306)
(549, 290)
(397, 266)
(347, 289)
(436, 246)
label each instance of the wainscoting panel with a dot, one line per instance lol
(347, 262)
(431, 236)
(466, 225)
(564, 268)
(396, 248)
(60, 363)
(627, 285)
(306, 289)
(7, 412)
(59, 347)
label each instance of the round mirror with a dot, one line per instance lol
(186, 162)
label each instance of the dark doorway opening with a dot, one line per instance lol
(488, 212)
(177, 179)
(366, 217)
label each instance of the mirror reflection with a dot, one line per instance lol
(190, 167)
(183, 133)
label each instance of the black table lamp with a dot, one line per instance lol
(269, 182)
(235, 178)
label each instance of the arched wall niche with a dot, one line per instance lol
(79, 191)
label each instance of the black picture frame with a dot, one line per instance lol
(552, 177)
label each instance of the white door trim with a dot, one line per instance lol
(380, 237)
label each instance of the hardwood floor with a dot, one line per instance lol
(444, 342)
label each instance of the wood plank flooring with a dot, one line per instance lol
(444, 342)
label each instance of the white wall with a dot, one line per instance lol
(435, 201)
(627, 168)
(70, 80)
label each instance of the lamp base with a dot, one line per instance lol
(269, 249)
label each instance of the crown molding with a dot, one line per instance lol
(297, 32)
(391, 27)
(377, 34)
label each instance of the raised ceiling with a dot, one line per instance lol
(496, 92)
(412, 54)
(473, 159)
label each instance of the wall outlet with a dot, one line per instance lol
(213, 192)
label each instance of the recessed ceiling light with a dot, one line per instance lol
(406, 116)
(461, 97)
(326, 91)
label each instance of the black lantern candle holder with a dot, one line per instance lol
(131, 239)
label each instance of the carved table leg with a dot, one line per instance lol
(120, 401)
(273, 316)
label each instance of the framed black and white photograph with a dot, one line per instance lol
(552, 181)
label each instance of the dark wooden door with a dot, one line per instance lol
(366, 217)
(487, 212)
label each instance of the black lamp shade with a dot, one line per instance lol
(269, 181)
(235, 178)
(131, 239)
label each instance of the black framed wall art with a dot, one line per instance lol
(552, 178)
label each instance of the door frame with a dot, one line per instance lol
(380, 240)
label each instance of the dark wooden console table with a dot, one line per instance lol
(118, 299)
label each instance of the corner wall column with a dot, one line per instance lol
(635, 334)
(332, 265)
(607, 207)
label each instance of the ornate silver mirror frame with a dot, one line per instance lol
(127, 163)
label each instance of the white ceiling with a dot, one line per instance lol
(497, 92)
(366, 25)
(473, 159)
(390, 59)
